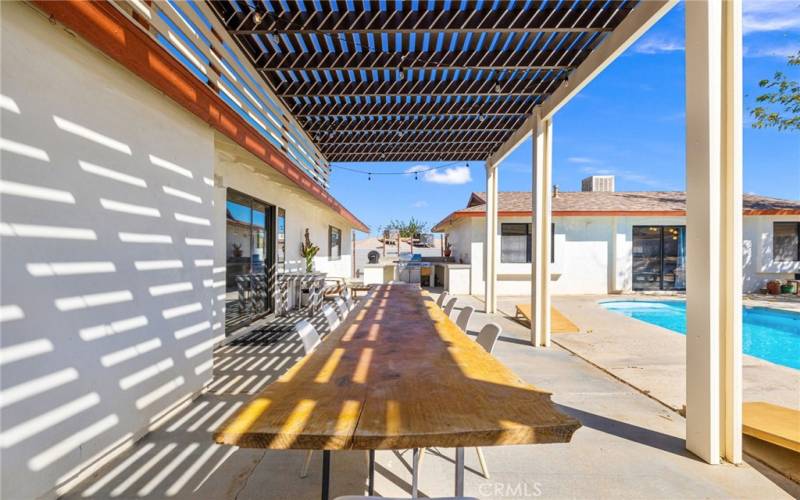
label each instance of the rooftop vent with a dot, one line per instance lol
(598, 183)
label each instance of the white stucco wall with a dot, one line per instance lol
(593, 255)
(101, 331)
(757, 260)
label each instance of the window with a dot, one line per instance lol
(334, 243)
(281, 236)
(659, 258)
(786, 241)
(515, 243)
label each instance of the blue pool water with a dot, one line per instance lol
(767, 333)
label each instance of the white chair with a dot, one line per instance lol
(462, 320)
(342, 307)
(442, 298)
(308, 335)
(331, 316)
(348, 299)
(488, 336)
(451, 303)
(486, 339)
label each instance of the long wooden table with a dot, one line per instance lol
(397, 374)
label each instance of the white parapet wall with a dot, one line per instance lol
(106, 255)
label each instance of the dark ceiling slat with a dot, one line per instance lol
(486, 108)
(364, 125)
(548, 19)
(413, 60)
(389, 146)
(519, 86)
(413, 156)
(392, 137)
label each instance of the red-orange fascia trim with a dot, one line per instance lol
(111, 32)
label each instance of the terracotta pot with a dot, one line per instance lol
(774, 287)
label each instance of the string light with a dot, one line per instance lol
(415, 173)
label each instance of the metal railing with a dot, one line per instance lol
(190, 32)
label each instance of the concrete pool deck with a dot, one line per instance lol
(629, 446)
(650, 358)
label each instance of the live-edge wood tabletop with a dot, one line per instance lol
(397, 374)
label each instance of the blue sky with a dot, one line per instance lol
(629, 122)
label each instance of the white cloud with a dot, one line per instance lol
(770, 15)
(451, 175)
(419, 204)
(782, 51)
(658, 44)
(581, 159)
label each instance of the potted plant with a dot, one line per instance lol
(774, 287)
(308, 250)
(448, 249)
(789, 287)
(237, 250)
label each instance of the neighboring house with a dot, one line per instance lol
(612, 242)
(133, 194)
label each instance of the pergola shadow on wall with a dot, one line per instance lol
(470, 81)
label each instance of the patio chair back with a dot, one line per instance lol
(441, 299)
(341, 305)
(308, 335)
(331, 316)
(451, 303)
(462, 320)
(488, 336)
(348, 299)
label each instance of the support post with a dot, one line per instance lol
(490, 254)
(714, 230)
(541, 220)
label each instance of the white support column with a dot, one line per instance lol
(491, 255)
(714, 230)
(540, 230)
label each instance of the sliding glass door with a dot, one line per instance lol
(250, 261)
(659, 258)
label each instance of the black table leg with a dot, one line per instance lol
(459, 472)
(414, 472)
(326, 474)
(371, 483)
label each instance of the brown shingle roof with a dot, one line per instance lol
(597, 203)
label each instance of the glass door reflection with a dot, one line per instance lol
(249, 260)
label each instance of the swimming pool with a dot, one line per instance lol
(768, 334)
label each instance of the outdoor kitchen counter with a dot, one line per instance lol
(455, 278)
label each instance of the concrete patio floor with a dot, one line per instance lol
(630, 446)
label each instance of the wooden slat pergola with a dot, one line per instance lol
(434, 81)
